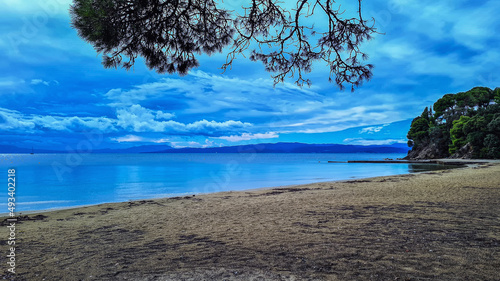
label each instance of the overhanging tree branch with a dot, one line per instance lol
(169, 34)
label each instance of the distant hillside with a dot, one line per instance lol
(463, 125)
(295, 148)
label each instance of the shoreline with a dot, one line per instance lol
(433, 225)
(467, 163)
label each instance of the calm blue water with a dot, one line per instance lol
(45, 181)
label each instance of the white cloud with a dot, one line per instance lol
(204, 125)
(139, 119)
(12, 120)
(202, 93)
(73, 123)
(208, 143)
(134, 138)
(39, 81)
(164, 115)
(284, 108)
(372, 130)
(247, 136)
(180, 144)
(128, 138)
(337, 119)
(361, 141)
(133, 119)
(162, 140)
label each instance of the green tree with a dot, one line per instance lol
(492, 146)
(426, 114)
(468, 118)
(494, 125)
(496, 95)
(419, 132)
(439, 136)
(169, 35)
(481, 96)
(444, 104)
(475, 131)
(464, 99)
(458, 137)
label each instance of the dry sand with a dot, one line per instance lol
(441, 225)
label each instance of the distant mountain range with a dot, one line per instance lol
(281, 147)
(287, 147)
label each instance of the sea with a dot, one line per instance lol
(52, 181)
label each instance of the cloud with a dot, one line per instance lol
(39, 81)
(211, 126)
(371, 130)
(134, 138)
(447, 39)
(163, 115)
(11, 82)
(247, 136)
(132, 119)
(181, 144)
(208, 143)
(74, 123)
(139, 119)
(284, 108)
(162, 140)
(361, 141)
(128, 138)
(11, 120)
(203, 93)
(147, 91)
(340, 118)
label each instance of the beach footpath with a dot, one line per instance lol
(438, 225)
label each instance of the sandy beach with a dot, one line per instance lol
(440, 225)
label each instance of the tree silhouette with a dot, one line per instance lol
(169, 34)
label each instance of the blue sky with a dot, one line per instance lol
(54, 90)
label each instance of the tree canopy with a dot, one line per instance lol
(465, 124)
(170, 34)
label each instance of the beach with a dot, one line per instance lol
(438, 225)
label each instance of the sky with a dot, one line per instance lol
(55, 93)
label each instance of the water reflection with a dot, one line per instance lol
(418, 167)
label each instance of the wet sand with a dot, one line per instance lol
(440, 225)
